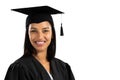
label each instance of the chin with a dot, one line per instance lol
(41, 49)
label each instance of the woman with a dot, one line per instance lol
(38, 61)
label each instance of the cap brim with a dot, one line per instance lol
(38, 10)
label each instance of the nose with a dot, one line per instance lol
(40, 35)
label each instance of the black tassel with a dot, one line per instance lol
(61, 31)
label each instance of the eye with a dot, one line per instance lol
(44, 31)
(33, 30)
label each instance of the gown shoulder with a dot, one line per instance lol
(61, 63)
(17, 71)
(65, 68)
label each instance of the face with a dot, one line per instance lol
(40, 35)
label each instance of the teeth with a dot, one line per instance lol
(39, 43)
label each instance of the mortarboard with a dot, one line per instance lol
(39, 14)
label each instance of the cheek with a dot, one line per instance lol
(31, 37)
(49, 36)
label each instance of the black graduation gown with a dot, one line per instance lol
(28, 68)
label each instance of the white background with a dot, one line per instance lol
(91, 44)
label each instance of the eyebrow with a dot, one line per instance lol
(33, 28)
(46, 28)
(42, 28)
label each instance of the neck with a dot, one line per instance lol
(41, 56)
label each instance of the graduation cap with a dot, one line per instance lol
(39, 14)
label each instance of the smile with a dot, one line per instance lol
(39, 43)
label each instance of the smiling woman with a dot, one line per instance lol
(40, 35)
(38, 61)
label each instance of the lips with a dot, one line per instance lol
(39, 43)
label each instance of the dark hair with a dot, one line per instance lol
(29, 49)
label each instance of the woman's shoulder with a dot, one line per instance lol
(60, 62)
(20, 62)
(64, 67)
(17, 64)
(57, 60)
(18, 69)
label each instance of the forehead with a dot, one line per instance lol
(44, 24)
